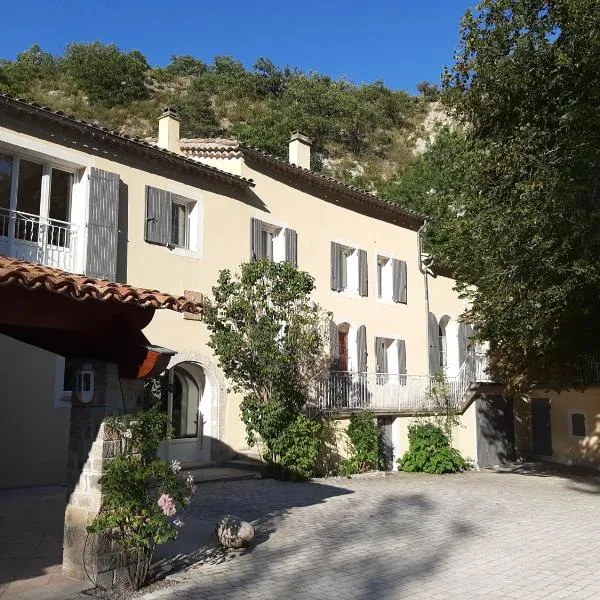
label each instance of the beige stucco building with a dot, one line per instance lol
(180, 211)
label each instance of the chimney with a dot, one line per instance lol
(300, 150)
(168, 130)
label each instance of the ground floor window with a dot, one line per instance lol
(577, 424)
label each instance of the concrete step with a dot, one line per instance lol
(247, 465)
(213, 474)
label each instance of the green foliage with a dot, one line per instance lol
(362, 132)
(296, 448)
(270, 340)
(429, 451)
(432, 185)
(429, 91)
(526, 238)
(186, 66)
(364, 436)
(32, 65)
(196, 111)
(439, 399)
(135, 486)
(106, 74)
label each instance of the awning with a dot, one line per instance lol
(81, 317)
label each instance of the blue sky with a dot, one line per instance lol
(399, 41)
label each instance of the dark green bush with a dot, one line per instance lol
(106, 74)
(364, 436)
(429, 451)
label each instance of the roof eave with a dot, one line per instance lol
(123, 139)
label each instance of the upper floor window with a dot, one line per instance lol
(273, 242)
(391, 279)
(390, 359)
(172, 220)
(349, 271)
(32, 194)
(180, 223)
(577, 424)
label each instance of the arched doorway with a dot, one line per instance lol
(189, 404)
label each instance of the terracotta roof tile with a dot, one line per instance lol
(34, 107)
(14, 272)
(230, 148)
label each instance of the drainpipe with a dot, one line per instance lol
(424, 267)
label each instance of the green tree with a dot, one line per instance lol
(186, 66)
(31, 65)
(196, 111)
(106, 74)
(270, 341)
(431, 185)
(526, 240)
(429, 91)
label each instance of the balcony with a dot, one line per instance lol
(386, 392)
(50, 242)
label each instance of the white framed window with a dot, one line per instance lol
(349, 272)
(577, 424)
(35, 190)
(384, 278)
(273, 242)
(64, 382)
(185, 226)
(180, 224)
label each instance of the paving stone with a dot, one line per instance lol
(476, 535)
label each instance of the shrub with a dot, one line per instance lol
(429, 451)
(364, 436)
(141, 493)
(106, 74)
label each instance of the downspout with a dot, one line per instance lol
(424, 266)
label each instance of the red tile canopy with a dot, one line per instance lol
(14, 272)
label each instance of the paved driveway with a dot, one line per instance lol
(477, 535)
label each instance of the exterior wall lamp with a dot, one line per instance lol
(84, 383)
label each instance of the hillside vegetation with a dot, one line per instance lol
(364, 134)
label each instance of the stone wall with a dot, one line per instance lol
(92, 557)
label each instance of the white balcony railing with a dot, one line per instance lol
(339, 391)
(50, 242)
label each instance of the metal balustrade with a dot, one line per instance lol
(348, 391)
(49, 242)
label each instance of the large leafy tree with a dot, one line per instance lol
(526, 84)
(270, 339)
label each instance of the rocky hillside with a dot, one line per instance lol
(366, 134)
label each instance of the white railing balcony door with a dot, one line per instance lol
(38, 239)
(36, 212)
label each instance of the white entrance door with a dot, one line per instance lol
(189, 402)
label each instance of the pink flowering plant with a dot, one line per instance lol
(142, 494)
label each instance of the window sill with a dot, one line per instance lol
(184, 252)
(390, 301)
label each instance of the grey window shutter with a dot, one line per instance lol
(158, 216)
(401, 357)
(256, 249)
(335, 266)
(399, 281)
(334, 344)
(380, 357)
(363, 273)
(291, 247)
(395, 280)
(103, 225)
(361, 346)
(434, 345)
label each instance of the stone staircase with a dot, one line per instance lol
(245, 464)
